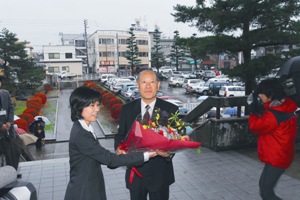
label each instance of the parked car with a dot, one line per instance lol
(127, 90)
(176, 102)
(176, 73)
(188, 82)
(166, 69)
(208, 74)
(199, 73)
(191, 88)
(66, 75)
(175, 82)
(220, 78)
(231, 90)
(162, 76)
(185, 75)
(116, 80)
(104, 77)
(203, 88)
(214, 87)
(136, 94)
(119, 85)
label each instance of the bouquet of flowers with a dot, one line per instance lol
(154, 136)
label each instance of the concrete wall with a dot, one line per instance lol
(225, 134)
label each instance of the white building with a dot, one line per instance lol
(59, 58)
(107, 49)
(77, 40)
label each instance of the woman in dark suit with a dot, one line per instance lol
(86, 153)
(158, 173)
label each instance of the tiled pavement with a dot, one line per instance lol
(208, 175)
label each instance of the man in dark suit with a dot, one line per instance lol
(7, 133)
(157, 173)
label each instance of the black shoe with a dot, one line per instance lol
(19, 176)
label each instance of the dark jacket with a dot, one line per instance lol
(157, 172)
(277, 130)
(6, 104)
(86, 156)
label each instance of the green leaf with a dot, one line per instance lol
(199, 150)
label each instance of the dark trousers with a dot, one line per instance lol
(10, 151)
(268, 180)
(142, 192)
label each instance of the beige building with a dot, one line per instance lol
(107, 49)
(59, 58)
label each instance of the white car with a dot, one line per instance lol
(194, 86)
(128, 91)
(231, 90)
(105, 77)
(166, 69)
(189, 82)
(220, 79)
(203, 89)
(175, 102)
(175, 82)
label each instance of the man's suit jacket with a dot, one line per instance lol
(86, 156)
(7, 105)
(158, 171)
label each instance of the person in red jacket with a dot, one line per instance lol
(274, 121)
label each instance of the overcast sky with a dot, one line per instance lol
(41, 21)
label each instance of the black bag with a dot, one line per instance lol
(291, 86)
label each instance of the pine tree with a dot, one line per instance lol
(132, 52)
(17, 65)
(243, 26)
(177, 53)
(157, 56)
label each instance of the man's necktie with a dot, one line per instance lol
(146, 116)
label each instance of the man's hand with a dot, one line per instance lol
(8, 125)
(152, 154)
(3, 127)
(119, 151)
(163, 153)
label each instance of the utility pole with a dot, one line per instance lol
(86, 46)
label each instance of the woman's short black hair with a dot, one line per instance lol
(272, 88)
(80, 98)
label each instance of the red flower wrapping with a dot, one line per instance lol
(142, 139)
(139, 138)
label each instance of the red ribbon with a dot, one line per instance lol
(132, 172)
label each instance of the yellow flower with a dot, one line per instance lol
(153, 124)
(157, 117)
(145, 126)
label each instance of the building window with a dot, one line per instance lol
(122, 54)
(53, 69)
(53, 55)
(142, 42)
(106, 41)
(122, 41)
(107, 54)
(79, 43)
(68, 55)
(80, 52)
(143, 54)
(65, 68)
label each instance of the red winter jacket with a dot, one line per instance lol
(276, 139)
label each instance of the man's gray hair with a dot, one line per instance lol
(144, 71)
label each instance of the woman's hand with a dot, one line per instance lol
(119, 151)
(152, 154)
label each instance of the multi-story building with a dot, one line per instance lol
(108, 49)
(77, 40)
(58, 58)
